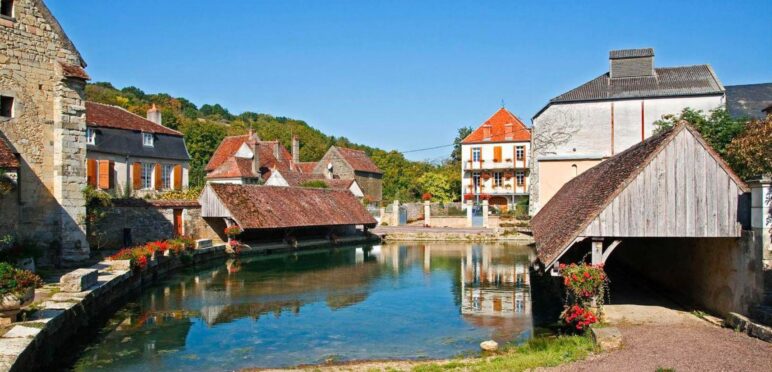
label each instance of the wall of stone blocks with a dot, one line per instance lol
(371, 184)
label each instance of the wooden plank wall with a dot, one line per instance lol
(683, 192)
(211, 206)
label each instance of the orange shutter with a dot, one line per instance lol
(158, 180)
(497, 154)
(91, 170)
(136, 174)
(178, 177)
(104, 174)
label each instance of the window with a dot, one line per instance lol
(520, 152)
(574, 170)
(90, 136)
(476, 154)
(166, 175)
(147, 176)
(6, 107)
(147, 139)
(6, 8)
(520, 176)
(497, 179)
(476, 180)
(497, 154)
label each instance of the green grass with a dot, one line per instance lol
(537, 352)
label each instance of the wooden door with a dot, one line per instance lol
(178, 222)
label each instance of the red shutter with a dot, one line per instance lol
(497, 154)
(104, 174)
(91, 171)
(136, 174)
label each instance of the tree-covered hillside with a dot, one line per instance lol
(204, 127)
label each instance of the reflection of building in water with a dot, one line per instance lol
(494, 285)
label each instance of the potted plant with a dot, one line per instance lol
(17, 289)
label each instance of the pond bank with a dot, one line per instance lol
(53, 324)
(451, 234)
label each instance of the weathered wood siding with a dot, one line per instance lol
(683, 192)
(211, 206)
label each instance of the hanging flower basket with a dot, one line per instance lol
(486, 176)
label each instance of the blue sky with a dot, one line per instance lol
(401, 74)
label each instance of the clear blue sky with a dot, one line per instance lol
(401, 74)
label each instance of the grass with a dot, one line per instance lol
(537, 352)
(698, 313)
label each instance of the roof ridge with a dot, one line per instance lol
(139, 116)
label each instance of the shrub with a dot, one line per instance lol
(16, 281)
(317, 184)
(137, 256)
(579, 318)
(232, 231)
(13, 248)
(191, 193)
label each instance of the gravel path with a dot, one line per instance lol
(684, 347)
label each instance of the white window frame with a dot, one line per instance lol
(519, 152)
(146, 176)
(497, 181)
(520, 178)
(90, 136)
(476, 154)
(476, 180)
(167, 176)
(147, 139)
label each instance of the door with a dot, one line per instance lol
(477, 216)
(178, 222)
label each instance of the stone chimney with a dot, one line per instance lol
(631, 63)
(276, 152)
(154, 115)
(256, 158)
(295, 150)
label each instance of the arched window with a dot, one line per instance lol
(575, 169)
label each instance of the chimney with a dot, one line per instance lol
(295, 150)
(255, 159)
(631, 63)
(486, 132)
(276, 152)
(154, 115)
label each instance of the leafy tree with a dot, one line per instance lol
(750, 153)
(718, 128)
(201, 139)
(437, 184)
(463, 132)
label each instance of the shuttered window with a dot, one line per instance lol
(105, 174)
(178, 177)
(136, 176)
(166, 175)
(147, 176)
(497, 154)
(91, 172)
(158, 177)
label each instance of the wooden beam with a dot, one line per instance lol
(597, 251)
(610, 249)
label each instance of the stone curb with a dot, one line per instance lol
(743, 324)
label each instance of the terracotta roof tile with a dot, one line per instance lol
(107, 116)
(223, 163)
(503, 126)
(155, 203)
(74, 71)
(8, 157)
(306, 166)
(271, 207)
(296, 179)
(225, 150)
(358, 160)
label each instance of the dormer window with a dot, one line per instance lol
(90, 136)
(147, 139)
(6, 8)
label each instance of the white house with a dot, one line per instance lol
(494, 161)
(580, 128)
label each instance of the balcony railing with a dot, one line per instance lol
(490, 164)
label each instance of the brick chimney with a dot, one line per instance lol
(154, 115)
(255, 159)
(631, 63)
(295, 150)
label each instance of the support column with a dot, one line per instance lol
(485, 213)
(468, 213)
(427, 214)
(395, 213)
(761, 215)
(597, 251)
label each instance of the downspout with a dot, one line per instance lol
(612, 128)
(642, 122)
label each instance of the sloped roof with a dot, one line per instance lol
(358, 160)
(694, 80)
(631, 53)
(297, 179)
(108, 116)
(271, 207)
(57, 28)
(306, 166)
(748, 100)
(580, 200)
(223, 163)
(8, 158)
(74, 71)
(228, 146)
(504, 126)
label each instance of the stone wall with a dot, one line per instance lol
(371, 184)
(47, 129)
(720, 274)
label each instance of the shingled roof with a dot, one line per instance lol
(224, 163)
(273, 207)
(748, 101)
(108, 116)
(579, 201)
(297, 179)
(8, 158)
(503, 126)
(358, 160)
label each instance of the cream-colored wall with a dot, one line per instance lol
(507, 152)
(555, 174)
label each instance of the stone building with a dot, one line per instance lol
(42, 119)
(495, 161)
(606, 115)
(128, 154)
(347, 164)
(246, 159)
(299, 179)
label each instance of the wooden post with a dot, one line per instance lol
(597, 251)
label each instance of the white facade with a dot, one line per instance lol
(565, 133)
(123, 175)
(484, 174)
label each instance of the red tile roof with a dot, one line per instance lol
(271, 207)
(8, 158)
(225, 150)
(297, 179)
(223, 163)
(358, 160)
(503, 126)
(74, 71)
(580, 200)
(306, 166)
(157, 203)
(107, 116)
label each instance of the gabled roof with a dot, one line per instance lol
(228, 146)
(357, 159)
(306, 166)
(697, 80)
(8, 157)
(108, 116)
(224, 163)
(297, 179)
(271, 207)
(503, 125)
(580, 200)
(748, 100)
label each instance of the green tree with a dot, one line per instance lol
(750, 153)
(717, 127)
(463, 132)
(437, 184)
(201, 138)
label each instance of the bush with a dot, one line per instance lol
(13, 248)
(233, 231)
(191, 193)
(16, 281)
(585, 287)
(316, 184)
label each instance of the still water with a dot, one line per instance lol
(403, 301)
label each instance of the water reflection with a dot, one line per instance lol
(365, 302)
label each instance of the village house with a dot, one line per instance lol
(580, 128)
(128, 154)
(42, 131)
(495, 161)
(349, 164)
(245, 159)
(298, 179)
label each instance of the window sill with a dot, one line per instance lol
(7, 21)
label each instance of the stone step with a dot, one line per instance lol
(762, 314)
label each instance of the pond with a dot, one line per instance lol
(392, 301)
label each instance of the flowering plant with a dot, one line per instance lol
(584, 281)
(426, 196)
(578, 317)
(232, 231)
(16, 281)
(137, 256)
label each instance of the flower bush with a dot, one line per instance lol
(426, 196)
(579, 318)
(232, 231)
(585, 288)
(16, 281)
(137, 256)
